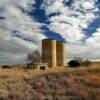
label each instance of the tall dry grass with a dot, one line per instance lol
(52, 84)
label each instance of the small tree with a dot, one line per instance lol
(34, 57)
(73, 63)
(87, 63)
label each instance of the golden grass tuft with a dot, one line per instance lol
(52, 84)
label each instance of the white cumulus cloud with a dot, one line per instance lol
(70, 21)
(17, 21)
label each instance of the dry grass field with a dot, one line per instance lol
(94, 64)
(52, 84)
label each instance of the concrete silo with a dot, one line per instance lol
(61, 55)
(49, 52)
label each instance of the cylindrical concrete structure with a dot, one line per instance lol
(61, 55)
(49, 52)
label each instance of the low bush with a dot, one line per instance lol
(73, 63)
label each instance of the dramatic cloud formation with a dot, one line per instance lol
(19, 33)
(74, 20)
(70, 21)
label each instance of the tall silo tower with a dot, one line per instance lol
(61, 55)
(49, 52)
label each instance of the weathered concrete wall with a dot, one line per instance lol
(61, 55)
(49, 52)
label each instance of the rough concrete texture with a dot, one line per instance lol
(49, 52)
(61, 55)
(53, 53)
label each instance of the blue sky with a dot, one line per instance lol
(24, 23)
